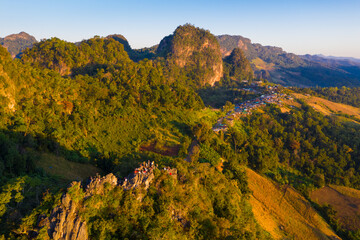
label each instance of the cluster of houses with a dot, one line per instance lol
(247, 107)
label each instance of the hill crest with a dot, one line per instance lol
(17, 43)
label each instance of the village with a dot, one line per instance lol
(273, 96)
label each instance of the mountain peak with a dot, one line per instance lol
(194, 49)
(17, 43)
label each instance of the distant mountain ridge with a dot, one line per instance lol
(17, 43)
(276, 65)
(350, 61)
(268, 62)
(271, 54)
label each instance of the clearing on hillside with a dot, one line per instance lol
(261, 65)
(346, 202)
(161, 149)
(327, 107)
(284, 213)
(59, 166)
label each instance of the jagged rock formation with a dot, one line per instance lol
(142, 176)
(65, 221)
(96, 185)
(195, 51)
(17, 43)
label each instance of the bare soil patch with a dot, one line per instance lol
(347, 207)
(171, 151)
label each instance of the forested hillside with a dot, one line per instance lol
(71, 111)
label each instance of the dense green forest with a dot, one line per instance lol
(303, 139)
(91, 103)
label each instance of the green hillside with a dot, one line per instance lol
(150, 161)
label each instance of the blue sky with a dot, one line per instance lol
(329, 27)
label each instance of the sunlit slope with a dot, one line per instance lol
(327, 107)
(344, 200)
(285, 213)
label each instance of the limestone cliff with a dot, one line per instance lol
(67, 221)
(64, 221)
(196, 51)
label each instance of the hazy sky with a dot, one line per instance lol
(329, 27)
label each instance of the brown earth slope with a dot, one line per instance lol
(327, 107)
(346, 202)
(284, 213)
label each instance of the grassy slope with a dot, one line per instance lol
(59, 166)
(286, 215)
(327, 107)
(346, 202)
(261, 65)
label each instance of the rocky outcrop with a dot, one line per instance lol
(97, 184)
(65, 221)
(229, 43)
(196, 51)
(142, 176)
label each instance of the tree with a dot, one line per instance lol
(228, 107)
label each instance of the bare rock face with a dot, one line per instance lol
(97, 184)
(64, 221)
(196, 51)
(228, 43)
(142, 176)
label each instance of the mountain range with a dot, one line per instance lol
(289, 69)
(259, 162)
(268, 62)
